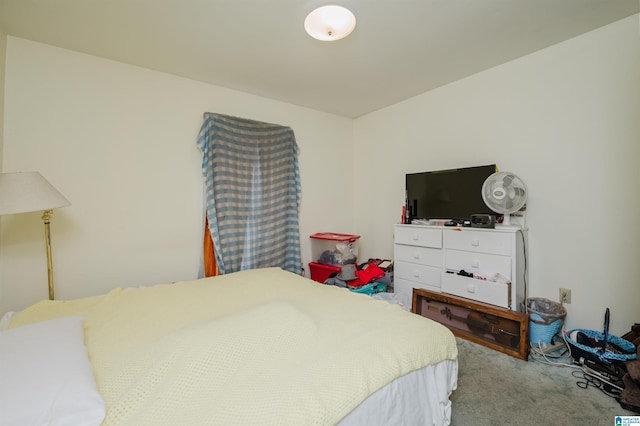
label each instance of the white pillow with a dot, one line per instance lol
(46, 377)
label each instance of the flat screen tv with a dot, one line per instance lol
(453, 194)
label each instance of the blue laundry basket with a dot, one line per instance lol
(601, 342)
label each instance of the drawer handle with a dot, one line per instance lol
(416, 274)
(416, 255)
(475, 263)
(471, 288)
(416, 237)
(475, 243)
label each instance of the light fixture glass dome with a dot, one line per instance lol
(330, 23)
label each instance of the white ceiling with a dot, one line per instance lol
(399, 49)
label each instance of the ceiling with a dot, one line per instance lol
(399, 49)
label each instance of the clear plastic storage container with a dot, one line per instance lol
(329, 248)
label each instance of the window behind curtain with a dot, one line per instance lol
(252, 184)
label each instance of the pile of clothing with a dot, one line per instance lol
(355, 276)
(630, 396)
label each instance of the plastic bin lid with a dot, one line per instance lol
(335, 237)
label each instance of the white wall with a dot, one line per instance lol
(120, 143)
(567, 120)
(3, 51)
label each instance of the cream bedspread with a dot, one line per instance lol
(255, 347)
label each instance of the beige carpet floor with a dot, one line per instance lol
(496, 389)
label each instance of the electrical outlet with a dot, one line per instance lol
(565, 295)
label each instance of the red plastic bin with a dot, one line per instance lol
(320, 272)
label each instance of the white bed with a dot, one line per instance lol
(255, 347)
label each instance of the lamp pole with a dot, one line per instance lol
(46, 217)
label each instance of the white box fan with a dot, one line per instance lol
(504, 193)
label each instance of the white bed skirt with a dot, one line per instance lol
(418, 398)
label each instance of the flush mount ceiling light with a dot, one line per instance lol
(330, 23)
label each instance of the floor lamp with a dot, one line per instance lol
(25, 192)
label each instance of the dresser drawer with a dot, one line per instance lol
(482, 291)
(418, 236)
(421, 274)
(482, 264)
(420, 255)
(478, 241)
(403, 290)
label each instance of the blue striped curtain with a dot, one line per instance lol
(252, 185)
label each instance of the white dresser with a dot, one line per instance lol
(429, 257)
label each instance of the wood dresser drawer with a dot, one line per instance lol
(418, 236)
(482, 264)
(403, 290)
(478, 241)
(420, 255)
(420, 274)
(494, 293)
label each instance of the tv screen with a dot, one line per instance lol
(453, 194)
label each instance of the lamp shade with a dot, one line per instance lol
(24, 192)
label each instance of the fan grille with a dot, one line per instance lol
(504, 192)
